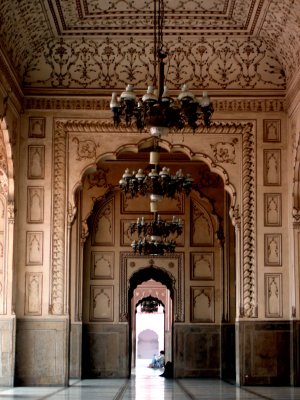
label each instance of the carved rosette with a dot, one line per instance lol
(58, 221)
(248, 223)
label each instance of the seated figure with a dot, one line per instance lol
(158, 362)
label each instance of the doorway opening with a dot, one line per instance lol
(151, 321)
(151, 324)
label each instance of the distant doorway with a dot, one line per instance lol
(150, 325)
(151, 329)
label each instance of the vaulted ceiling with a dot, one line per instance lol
(95, 45)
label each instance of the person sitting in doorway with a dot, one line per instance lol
(158, 362)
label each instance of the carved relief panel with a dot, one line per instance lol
(101, 303)
(273, 295)
(103, 229)
(272, 209)
(202, 265)
(202, 304)
(34, 248)
(36, 162)
(33, 293)
(272, 131)
(272, 167)
(35, 204)
(36, 128)
(102, 265)
(272, 249)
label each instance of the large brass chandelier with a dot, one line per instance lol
(156, 109)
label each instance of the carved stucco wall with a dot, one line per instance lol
(63, 45)
(112, 63)
(241, 140)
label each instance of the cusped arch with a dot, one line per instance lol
(151, 272)
(176, 148)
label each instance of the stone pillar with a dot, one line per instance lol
(294, 299)
(239, 309)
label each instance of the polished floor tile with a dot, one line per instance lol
(146, 384)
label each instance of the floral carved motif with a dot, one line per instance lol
(224, 152)
(112, 63)
(85, 149)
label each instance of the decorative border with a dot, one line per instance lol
(59, 204)
(248, 230)
(262, 105)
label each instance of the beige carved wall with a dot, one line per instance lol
(66, 157)
(226, 146)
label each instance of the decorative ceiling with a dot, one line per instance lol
(99, 45)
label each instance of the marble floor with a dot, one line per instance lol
(146, 384)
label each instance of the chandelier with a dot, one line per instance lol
(159, 181)
(149, 304)
(153, 235)
(157, 184)
(156, 109)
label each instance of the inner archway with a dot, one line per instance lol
(144, 284)
(199, 275)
